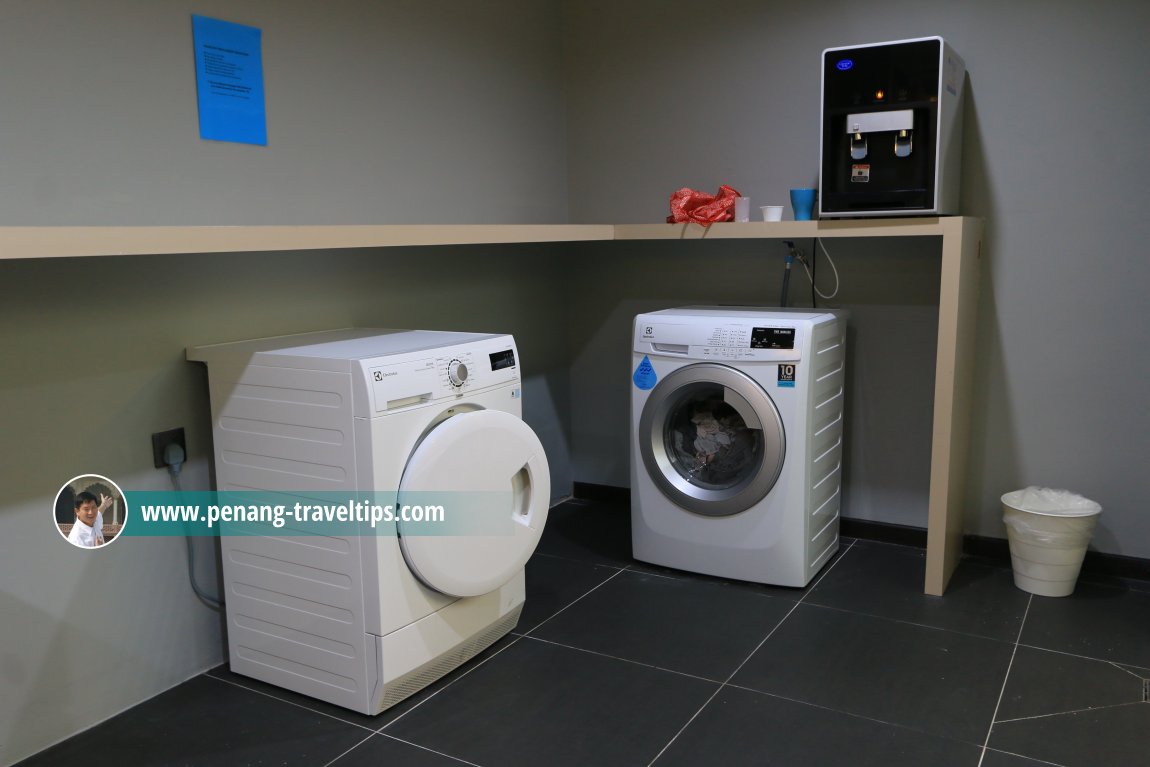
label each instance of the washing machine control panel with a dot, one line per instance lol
(728, 341)
(772, 338)
(449, 373)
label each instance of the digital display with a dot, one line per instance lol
(773, 338)
(503, 360)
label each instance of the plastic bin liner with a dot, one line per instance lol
(1032, 514)
(1057, 503)
(1034, 530)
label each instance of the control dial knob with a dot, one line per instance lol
(456, 373)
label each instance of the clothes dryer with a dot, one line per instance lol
(364, 620)
(736, 440)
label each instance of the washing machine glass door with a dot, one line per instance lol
(489, 466)
(712, 439)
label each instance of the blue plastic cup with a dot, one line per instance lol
(802, 202)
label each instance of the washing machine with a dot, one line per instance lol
(365, 619)
(737, 440)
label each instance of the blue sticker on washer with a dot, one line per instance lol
(645, 377)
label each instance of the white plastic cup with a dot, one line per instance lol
(1048, 543)
(742, 208)
(772, 212)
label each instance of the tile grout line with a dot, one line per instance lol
(1086, 657)
(706, 703)
(624, 660)
(687, 576)
(353, 748)
(497, 653)
(1005, 679)
(1145, 692)
(580, 561)
(575, 601)
(770, 633)
(400, 740)
(801, 600)
(1074, 711)
(664, 576)
(819, 580)
(1034, 759)
(373, 730)
(421, 748)
(851, 715)
(719, 689)
(1120, 667)
(289, 702)
(379, 730)
(904, 622)
(485, 660)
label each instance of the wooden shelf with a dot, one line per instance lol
(787, 230)
(958, 300)
(75, 241)
(78, 241)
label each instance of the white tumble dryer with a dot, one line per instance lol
(364, 620)
(736, 440)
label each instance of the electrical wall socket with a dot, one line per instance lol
(160, 442)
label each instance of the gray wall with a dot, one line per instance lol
(892, 297)
(401, 112)
(441, 112)
(94, 363)
(663, 95)
(378, 112)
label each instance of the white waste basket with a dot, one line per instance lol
(1048, 531)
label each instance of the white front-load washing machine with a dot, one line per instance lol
(366, 617)
(736, 440)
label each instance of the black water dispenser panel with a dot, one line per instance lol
(891, 129)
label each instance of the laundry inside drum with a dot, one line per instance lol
(709, 443)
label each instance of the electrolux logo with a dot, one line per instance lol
(844, 64)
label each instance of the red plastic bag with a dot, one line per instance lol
(701, 208)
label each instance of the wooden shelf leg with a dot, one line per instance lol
(953, 378)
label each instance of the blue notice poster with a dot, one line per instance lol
(229, 81)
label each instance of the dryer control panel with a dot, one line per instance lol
(443, 373)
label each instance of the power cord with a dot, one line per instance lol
(174, 458)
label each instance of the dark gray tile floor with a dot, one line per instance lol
(617, 662)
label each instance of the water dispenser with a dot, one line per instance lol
(891, 129)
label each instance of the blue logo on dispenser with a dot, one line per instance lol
(845, 64)
(645, 377)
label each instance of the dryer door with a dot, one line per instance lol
(493, 468)
(711, 439)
